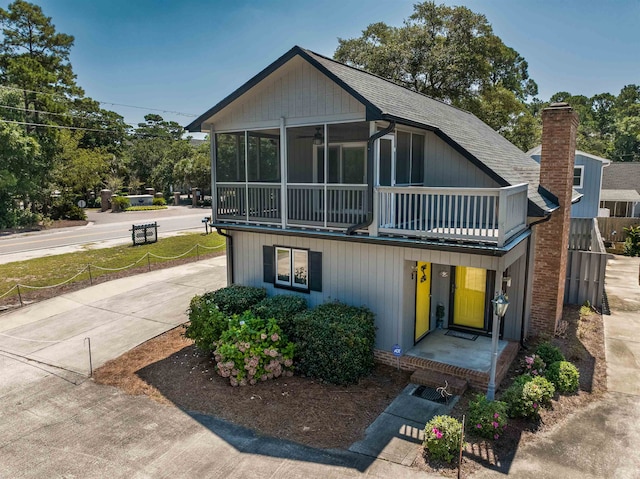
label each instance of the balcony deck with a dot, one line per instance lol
(485, 215)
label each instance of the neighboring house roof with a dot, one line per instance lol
(620, 195)
(537, 151)
(622, 176)
(385, 100)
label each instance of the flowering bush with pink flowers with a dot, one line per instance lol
(527, 395)
(487, 418)
(253, 349)
(534, 365)
(442, 438)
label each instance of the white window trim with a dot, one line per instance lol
(581, 168)
(292, 267)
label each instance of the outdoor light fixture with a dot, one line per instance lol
(500, 305)
(317, 137)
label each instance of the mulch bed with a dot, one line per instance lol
(171, 370)
(582, 343)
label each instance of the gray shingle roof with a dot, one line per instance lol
(385, 100)
(621, 176)
(620, 195)
(480, 140)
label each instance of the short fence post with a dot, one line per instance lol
(90, 277)
(197, 253)
(148, 262)
(90, 361)
(19, 295)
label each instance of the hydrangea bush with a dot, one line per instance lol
(487, 418)
(534, 365)
(527, 395)
(236, 299)
(283, 308)
(442, 438)
(564, 376)
(253, 349)
(206, 322)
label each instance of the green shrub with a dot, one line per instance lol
(534, 365)
(527, 395)
(146, 208)
(206, 322)
(253, 349)
(335, 342)
(487, 418)
(564, 376)
(159, 202)
(549, 353)
(442, 438)
(65, 209)
(283, 308)
(632, 243)
(120, 203)
(237, 299)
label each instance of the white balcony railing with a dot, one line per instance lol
(491, 215)
(475, 214)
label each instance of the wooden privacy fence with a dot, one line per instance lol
(586, 264)
(612, 229)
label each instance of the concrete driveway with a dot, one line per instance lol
(602, 441)
(56, 423)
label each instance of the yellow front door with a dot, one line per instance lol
(469, 297)
(423, 299)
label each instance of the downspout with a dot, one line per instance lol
(369, 219)
(526, 275)
(229, 250)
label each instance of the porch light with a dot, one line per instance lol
(500, 305)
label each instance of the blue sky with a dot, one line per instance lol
(186, 55)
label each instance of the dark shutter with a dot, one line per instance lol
(268, 260)
(315, 271)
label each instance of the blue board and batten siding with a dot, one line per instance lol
(589, 204)
(376, 276)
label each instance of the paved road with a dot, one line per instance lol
(104, 229)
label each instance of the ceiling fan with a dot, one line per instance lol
(318, 138)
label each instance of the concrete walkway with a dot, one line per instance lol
(56, 423)
(602, 441)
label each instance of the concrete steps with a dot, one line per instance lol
(434, 379)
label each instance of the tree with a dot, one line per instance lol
(156, 127)
(451, 54)
(79, 170)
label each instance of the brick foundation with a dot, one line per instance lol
(476, 379)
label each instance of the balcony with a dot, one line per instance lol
(487, 215)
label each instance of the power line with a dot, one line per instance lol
(65, 115)
(77, 128)
(191, 115)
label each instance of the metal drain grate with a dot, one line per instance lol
(429, 394)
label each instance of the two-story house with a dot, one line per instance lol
(340, 185)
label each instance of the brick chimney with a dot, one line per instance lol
(559, 126)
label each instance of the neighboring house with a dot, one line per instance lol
(587, 179)
(340, 185)
(621, 189)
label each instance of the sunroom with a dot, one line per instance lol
(357, 176)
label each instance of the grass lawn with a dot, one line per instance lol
(52, 270)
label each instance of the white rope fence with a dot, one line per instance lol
(88, 268)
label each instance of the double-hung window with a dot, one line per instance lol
(578, 176)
